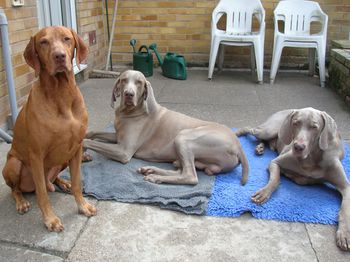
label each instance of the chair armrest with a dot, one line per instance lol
(323, 21)
(278, 17)
(215, 19)
(260, 15)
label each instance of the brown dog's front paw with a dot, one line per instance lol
(23, 206)
(261, 196)
(54, 224)
(87, 209)
(343, 239)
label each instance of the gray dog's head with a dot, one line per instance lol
(132, 87)
(306, 128)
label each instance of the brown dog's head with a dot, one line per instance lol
(52, 50)
(132, 86)
(307, 128)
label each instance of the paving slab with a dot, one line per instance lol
(126, 232)
(29, 230)
(204, 92)
(322, 237)
(18, 254)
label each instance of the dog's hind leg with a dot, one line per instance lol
(12, 176)
(187, 174)
(204, 147)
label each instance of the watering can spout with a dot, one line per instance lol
(154, 48)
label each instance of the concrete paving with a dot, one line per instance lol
(133, 232)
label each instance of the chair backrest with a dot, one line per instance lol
(239, 14)
(298, 15)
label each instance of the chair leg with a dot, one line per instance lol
(321, 54)
(276, 57)
(311, 61)
(252, 61)
(212, 58)
(259, 60)
(221, 56)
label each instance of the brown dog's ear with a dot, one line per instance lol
(31, 56)
(329, 131)
(285, 132)
(80, 47)
(116, 92)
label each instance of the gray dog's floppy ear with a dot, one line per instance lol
(115, 92)
(147, 87)
(31, 56)
(285, 132)
(328, 132)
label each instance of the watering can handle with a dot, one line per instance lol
(144, 46)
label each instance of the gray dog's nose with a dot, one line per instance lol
(299, 147)
(129, 94)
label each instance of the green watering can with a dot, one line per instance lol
(173, 66)
(142, 60)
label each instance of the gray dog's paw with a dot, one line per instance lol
(146, 170)
(259, 149)
(343, 239)
(261, 196)
(153, 179)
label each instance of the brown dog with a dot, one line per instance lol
(50, 128)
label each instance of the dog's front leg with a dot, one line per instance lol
(74, 167)
(116, 152)
(263, 194)
(343, 232)
(338, 178)
(103, 136)
(52, 222)
(282, 161)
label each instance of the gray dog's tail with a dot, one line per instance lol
(245, 166)
(243, 131)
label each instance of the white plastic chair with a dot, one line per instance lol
(297, 16)
(239, 18)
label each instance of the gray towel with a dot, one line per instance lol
(106, 179)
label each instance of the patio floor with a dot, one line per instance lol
(133, 232)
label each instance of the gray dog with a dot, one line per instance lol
(151, 132)
(310, 150)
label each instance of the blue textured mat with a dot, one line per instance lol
(290, 202)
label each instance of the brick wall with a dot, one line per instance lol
(22, 24)
(184, 27)
(91, 19)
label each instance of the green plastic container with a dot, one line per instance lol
(143, 61)
(173, 65)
